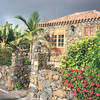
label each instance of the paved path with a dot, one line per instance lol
(4, 95)
(15, 95)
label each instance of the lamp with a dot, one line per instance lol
(73, 28)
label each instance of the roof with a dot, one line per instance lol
(80, 16)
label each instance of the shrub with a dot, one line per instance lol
(18, 85)
(86, 51)
(80, 68)
(26, 62)
(84, 82)
(5, 57)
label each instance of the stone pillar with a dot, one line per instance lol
(13, 59)
(35, 62)
(34, 71)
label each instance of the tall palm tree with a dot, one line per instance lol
(32, 31)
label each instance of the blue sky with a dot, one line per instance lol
(49, 9)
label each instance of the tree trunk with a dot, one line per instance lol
(32, 59)
(30, 53)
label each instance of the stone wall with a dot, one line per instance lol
(10, 75)
(46, 85)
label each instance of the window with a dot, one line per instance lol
(54, 40)
(57, 36)
(89, 31)
(58, 40)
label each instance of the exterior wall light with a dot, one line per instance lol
(73, 28)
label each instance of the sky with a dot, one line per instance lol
(48, 9)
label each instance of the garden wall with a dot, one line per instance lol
(46, 85)
(10, 75)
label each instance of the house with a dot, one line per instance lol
(68, 29)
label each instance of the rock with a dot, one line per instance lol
(45, 94)
(70, 95)
(46, 83)
(49, 91)
(53, 98)
(61, 99)
(59, 93)
(56, 77)
(50, 74)
(40, 85)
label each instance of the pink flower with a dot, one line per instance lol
(98, 85)
(74, 70)
(78, 89)
(91, 92)
(68, 74)
(98, 74)
(84, 85)
(91, 70)
(89, 98)
(75, 93)
(62, 76)
(85, 81)
(63, 85)
(61, 70)
(71, 85)
(86, 66)
(92, 83)
(98, 94)
(80, 71)
(87, 86)
(74, 78)
(67, 85)
(85, 95)
(80, 77)
(85, 90)
(67, 81)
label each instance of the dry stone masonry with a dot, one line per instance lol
(10, 75)
(46, 85)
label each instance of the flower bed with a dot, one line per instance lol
(83, 81)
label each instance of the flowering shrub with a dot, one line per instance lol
(86, 51)
(80, 68)
(84, 82)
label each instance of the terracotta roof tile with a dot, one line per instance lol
(76, 17)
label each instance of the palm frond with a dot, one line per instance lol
(34, 18)
(23, 19)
